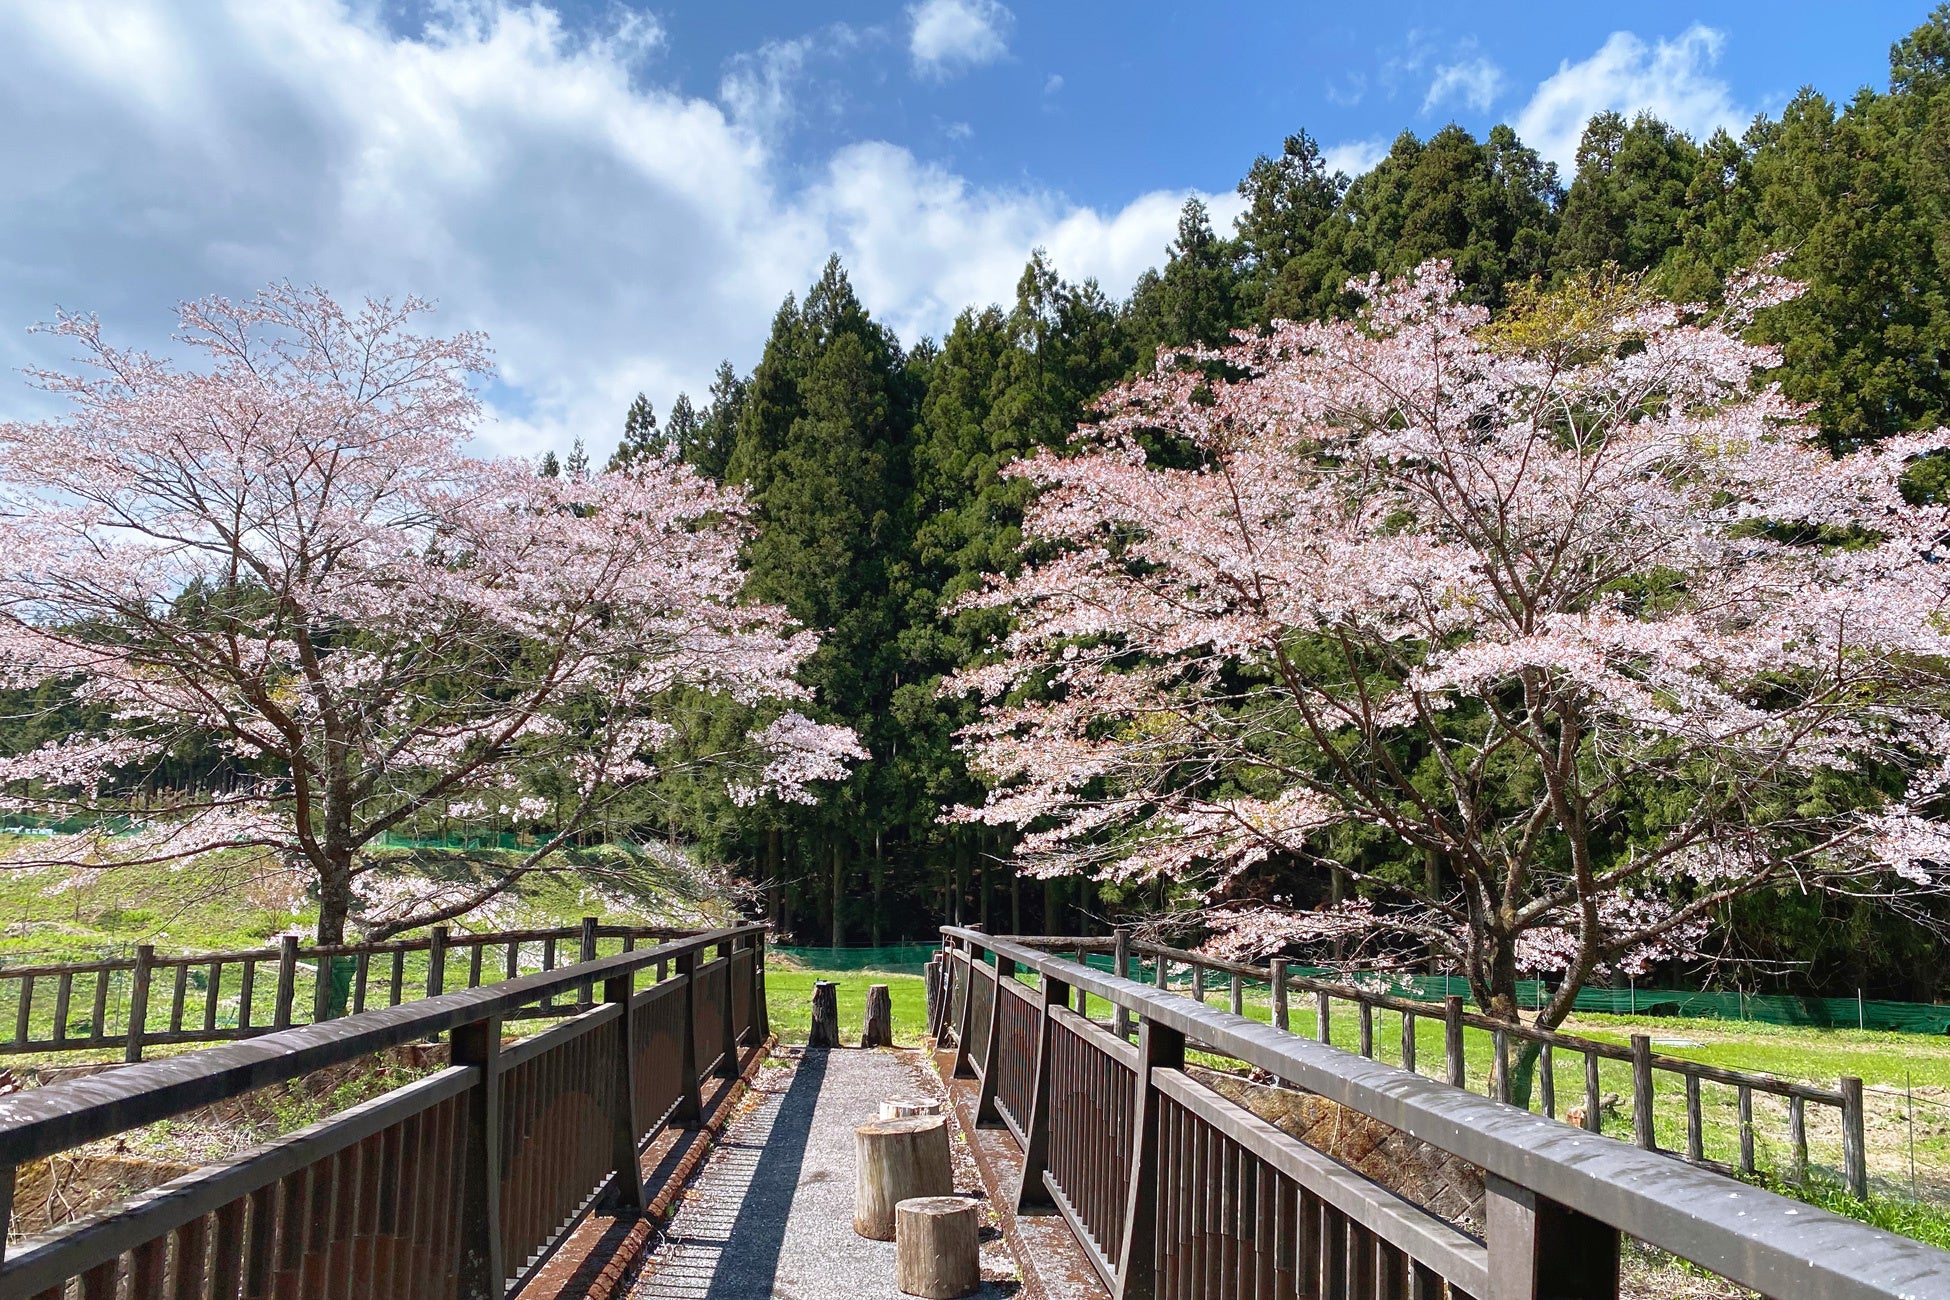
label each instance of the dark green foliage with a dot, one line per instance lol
(1196, 298)
(642, 439)
(1631, 189)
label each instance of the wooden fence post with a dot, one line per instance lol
(1500, 1064)
(437, 962)
(145, 956)
(1122, 962)
(690, 1101)
(1855, 1152)
(1642, 1092)
(483, 1273)
(1452, 1038)
(728, 1050)
(321, 989)
(287, 980)
(1276, 974)
(986, 1115)
(1159, 1048)
(1323, 1025)
(972, 961)
(1032, 1194)
(1408, 1041)
(587, 952)
(761, 1017)
(626, 1124)
(1539, 1250)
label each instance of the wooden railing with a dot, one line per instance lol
(1334, 1005)
(1175, 1191)
(154, 999)
(454, 1187)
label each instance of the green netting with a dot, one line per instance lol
(896, 959)
(1766, 1008)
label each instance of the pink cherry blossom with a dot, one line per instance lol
(1485, 588)
(289, 555)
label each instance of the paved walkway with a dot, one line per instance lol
(771, 1214)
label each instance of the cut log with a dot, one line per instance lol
(936, 1247)
(878, 1031)
(898, 1159)
(825, 1031)
(905, 1107)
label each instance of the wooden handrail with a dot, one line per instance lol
(1557, 1198)
(131, 1006)
(421, 1175)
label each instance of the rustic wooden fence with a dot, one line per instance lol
(1175, 1191)
(153, 999)
(455, 1187)
(1349, 1014)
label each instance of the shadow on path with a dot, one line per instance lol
(727, 1238)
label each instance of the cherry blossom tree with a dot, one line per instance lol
(1566, 607)
(287, 558)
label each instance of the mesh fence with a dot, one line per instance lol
(1766, 1008)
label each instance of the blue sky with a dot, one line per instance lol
(621, 193)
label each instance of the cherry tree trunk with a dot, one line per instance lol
(878, 1031)
(936, 1247)
(898, 1159)
(825, 1031)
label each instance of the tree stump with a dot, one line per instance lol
(936, 1247)
(907, 1107)
(878, 1031)
(898, 1159)
(825, 1031)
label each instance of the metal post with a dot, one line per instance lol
(1159, 1048)
(145, 956)
(1540, 1249)
(1032, 1194)
(483, 1273)
(626, 1125)
(287, 980)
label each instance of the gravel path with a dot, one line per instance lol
(771, 1213)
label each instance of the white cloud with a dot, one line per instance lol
(609, 234)
(1673, 80)
(951, 36)
(757, 86)
(1354, 156)
(1474, 82)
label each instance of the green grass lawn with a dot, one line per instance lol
(788, 1000)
